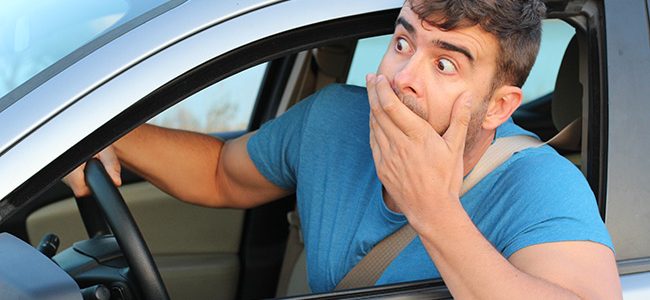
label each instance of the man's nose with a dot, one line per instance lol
(409, 78)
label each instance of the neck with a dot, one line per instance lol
(474, 152)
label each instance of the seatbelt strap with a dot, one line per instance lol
(373, 265)
(569, 138)
(295, 245)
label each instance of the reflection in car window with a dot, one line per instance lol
(556, 35)
(35, 38)
(224, 106)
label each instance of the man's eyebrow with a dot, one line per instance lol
(455, 48)
(406, 24)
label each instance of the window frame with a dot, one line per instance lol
(626, 26)
(272, 48)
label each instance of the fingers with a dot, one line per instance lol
(76, 179)
(379, 121)
(379, 142)
(386, 106)
(378, 139)
(460, 116)
(393, 117)
(374, 145)
(373, 99)
(112, 164)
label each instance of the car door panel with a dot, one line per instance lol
(196, 248)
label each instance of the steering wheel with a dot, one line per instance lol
(126, 231)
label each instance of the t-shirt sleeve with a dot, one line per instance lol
(275, 147)
(549, 206)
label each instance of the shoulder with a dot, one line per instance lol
(548, 200)
(341, 98)
(338, 108)
(537, 185)
(545, 188)
(543, 176)
(540, 171)
(331, 100)
(542, 165)
(343, 90)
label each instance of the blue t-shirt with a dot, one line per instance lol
(320, 149)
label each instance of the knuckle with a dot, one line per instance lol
(390, 107)
(373, 126)
(417, 132)
(414, 133)
(375, 109)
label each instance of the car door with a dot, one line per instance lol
(204, 252)
(196, 249)
(627, 190)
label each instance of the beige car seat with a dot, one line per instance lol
(566, 105)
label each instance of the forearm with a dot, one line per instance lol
(181, 163)
(472, 268)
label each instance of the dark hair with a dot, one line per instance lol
(515, 23)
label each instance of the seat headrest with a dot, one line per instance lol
(333, 60)
(566, 105)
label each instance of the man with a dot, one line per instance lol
(364, 164)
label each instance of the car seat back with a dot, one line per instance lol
(566, 104)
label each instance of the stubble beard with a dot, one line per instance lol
(475, 125)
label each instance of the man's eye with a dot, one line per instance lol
(402, 45)
(446, 66)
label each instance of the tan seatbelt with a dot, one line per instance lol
(372, 266)
(295, 245)
(569, 138)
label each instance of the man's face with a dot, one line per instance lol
(429, 69)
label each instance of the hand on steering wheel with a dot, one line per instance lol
(126, 231)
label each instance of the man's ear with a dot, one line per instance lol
(503, 103)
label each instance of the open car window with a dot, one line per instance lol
(224, 106)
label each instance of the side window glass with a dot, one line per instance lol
(556, 35)
(224, 106)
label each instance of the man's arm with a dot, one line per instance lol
(472, 268)
(426, 191)
(193, 167)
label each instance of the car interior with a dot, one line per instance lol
(205, 253)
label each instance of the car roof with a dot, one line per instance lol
(37, 101)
